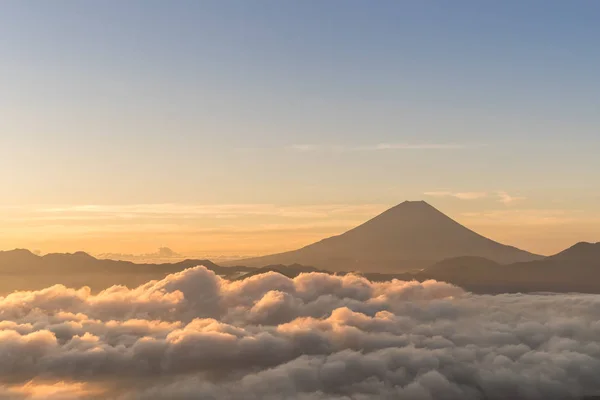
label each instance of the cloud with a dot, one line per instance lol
(185, 211)
(194, 335)
(459, 195)
(502, 196)
(507, 199)
(306, 147)
(41, 225)
(526, 217)
(163, 253)
(60, 390)
(380, 147)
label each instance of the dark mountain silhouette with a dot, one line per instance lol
(409, 236)
(576, 269)
(20, 269)
(475, 267)
(582, 252)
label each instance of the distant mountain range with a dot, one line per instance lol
(410, 236)
(21, 269)
(576, 269)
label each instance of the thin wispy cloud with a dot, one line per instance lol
(507, 199)
(380, 147)
(130, 214)
(501, 196)
(458, 195)
(524, 217)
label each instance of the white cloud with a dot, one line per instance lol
(507, 199)
(525, 217)
(502, 196)
(459, 195)
(380, 147)
(305, 147)
(193, 335)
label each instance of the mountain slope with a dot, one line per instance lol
(582, 253)
(576, 269)
(411, 235)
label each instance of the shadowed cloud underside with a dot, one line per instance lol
(193, 335)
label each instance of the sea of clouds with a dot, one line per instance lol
(194, 335)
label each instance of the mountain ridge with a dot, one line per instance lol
(566, 271)
(20, 269)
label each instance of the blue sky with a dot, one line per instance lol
(302, 102)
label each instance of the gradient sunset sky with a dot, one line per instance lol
(248, 127)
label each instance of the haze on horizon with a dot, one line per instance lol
(323, 200)
(252, 128)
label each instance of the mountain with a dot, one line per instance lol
(583, 253)
(476, 268)
(410, 236)
(22, 270)
(576, 269)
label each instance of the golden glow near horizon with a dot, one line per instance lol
(39, 390)
(126, 129)
(231, 230)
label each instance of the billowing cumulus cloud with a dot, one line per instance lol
(194, 335)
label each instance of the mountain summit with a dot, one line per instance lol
(409, 236)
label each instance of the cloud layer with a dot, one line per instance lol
(196, 336)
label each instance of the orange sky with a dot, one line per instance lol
(252, 229)
(252, 132)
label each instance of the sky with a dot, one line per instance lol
(235, 127)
